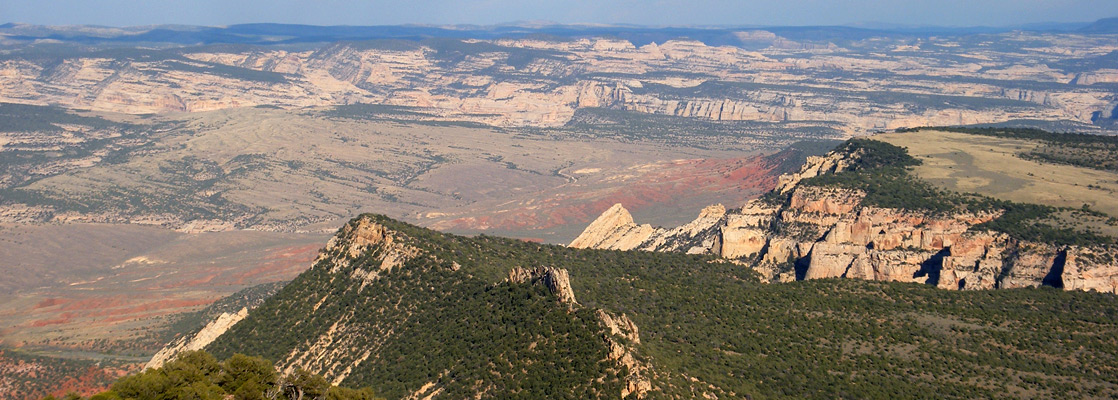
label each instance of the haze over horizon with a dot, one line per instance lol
(947, 13)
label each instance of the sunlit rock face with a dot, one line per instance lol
(827, 232)
(525, 82)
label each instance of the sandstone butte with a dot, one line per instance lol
(827, 232)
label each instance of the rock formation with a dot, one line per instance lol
(555, 279)
(613, 230)
(197, 341)
(1089, 269)
(355, 239)
(622, 339)
(827, 232)
(1093, 77)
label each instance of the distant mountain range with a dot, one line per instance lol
(271, 33)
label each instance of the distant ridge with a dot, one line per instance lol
(276, 33)
(1105, 25)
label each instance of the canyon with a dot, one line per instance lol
(167, 168)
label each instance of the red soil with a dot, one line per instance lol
(29, 377)
(673, 182)
(115, 309)
(284, 263)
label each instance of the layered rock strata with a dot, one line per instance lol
(827, 232)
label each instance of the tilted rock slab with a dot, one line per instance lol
(199, 340)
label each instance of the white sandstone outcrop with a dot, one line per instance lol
(199, 340)
(613, 230)
(827, 232)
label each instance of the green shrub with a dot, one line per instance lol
(199, 375)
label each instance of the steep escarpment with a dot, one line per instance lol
(857, 213)
(414, 313)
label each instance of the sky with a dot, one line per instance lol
(487, 12)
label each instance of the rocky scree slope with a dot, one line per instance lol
(857, 213)
(413, 313)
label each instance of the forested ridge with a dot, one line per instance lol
(706, 326)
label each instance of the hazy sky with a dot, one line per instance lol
(649, 12)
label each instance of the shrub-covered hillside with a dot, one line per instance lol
(430, 325)
(445, 323)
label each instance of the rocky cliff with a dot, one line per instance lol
(826, 232)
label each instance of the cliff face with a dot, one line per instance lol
(1099, 76)
(827, 232)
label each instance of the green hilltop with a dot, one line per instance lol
(447, 320)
